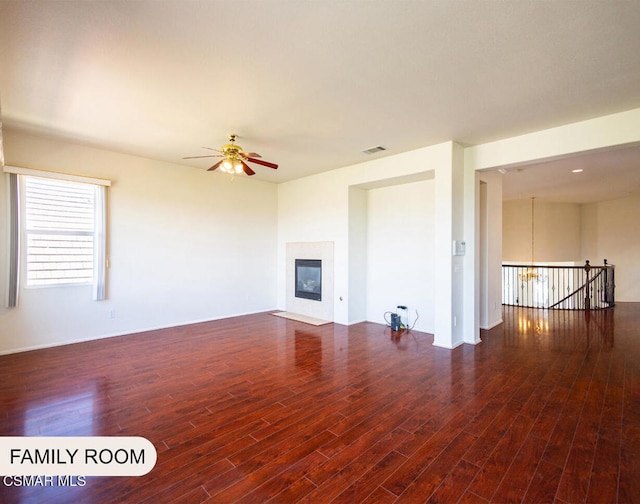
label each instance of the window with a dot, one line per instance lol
(63, 221)
(60, 229)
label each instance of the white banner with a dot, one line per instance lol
(86, 456)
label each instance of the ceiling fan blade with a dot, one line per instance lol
(216, 165)
(246, 169)
(211, 148)
(263, 163)
(251, 154)
(196, 157)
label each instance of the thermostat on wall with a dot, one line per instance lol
(459, 247)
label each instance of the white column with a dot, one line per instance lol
(449, 318)
(472, 267)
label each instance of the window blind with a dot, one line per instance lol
(59, 225)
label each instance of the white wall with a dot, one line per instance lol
(314, 209)
(185, 245)
(568, 232)
(400, 252)
(556, 235)
(317, 208)
(589, 230)
(611, 230)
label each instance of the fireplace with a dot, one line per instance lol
(309, 279)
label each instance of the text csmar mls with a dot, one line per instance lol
(44, 481)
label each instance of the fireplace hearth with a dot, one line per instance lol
(308, 279)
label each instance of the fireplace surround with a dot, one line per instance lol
(323, 251)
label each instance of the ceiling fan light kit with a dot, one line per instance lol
(231, 166)
(234, 158)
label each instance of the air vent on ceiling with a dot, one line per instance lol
(373, 150)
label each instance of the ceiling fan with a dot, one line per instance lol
(234, 158)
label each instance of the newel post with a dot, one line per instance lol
(587, 299)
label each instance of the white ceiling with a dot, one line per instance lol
(605, 175)
(310, 84)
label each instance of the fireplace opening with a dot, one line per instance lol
(309, 279)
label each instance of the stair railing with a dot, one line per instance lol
(559, 287)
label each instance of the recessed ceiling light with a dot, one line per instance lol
(577, 170)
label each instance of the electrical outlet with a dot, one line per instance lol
(111, 313)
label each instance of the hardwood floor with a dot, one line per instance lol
(261, 409)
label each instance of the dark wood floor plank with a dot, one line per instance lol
(364, 452)
(262, 409)
(470, 498)
(294, 492)
(626, 342)
(562, 437)
(340, 472)
(519, 476)
(254, 472)
(368, 431)
(281, 441)
(366, 485)
(544, 484)
(550, 413)
(574, 484)
(275, 476)
(425, 484)
(453, 486)
(380, 496)
(604, 478)
(278, 485)
(493, 471)
(195, 496)
(425, 455)
(482, 448)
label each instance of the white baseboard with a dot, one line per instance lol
(125, 333)
(492, 325)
